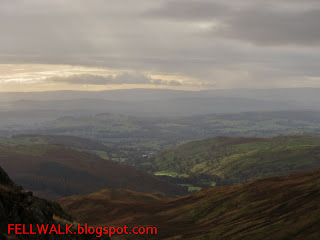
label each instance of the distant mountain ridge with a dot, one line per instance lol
(140, 94)
(46, 106)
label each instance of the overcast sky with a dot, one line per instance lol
(178, 44)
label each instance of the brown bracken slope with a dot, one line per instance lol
(274, 208)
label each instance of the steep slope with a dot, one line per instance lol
(285, 207)
(56, 171)
(6, 181)
(125, 206)
(21, 207)
(228, 160)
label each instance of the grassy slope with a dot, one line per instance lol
(75, 142)
(57, 171)
(274, 208)
(237, 160)
(125, 204)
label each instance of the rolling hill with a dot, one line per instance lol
(227, 160)
(198, 164)
(130, 137)
(125, 204)
(78, 143)
(286, 207)
(116, 152)
(55, 171)
(115, 127)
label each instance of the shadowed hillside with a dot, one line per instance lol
(21, 207)
(56, 171)
(285, 207)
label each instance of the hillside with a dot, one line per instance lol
(130, 137)
(68, 141)
(285, 207)
(125, 205)
(78, 143)
(226, 160)
(21, 207)
(56, 171)
(196, 165)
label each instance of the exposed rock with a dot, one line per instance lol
(18, 206)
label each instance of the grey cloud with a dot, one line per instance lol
(123, 78)
(273, 27)
(189, 10)
(259, 22)
(165, 38)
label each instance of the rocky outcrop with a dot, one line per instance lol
(5, 180)
(18, 206)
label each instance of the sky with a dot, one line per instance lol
(172, 44)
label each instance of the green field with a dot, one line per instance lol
(235, 160)
(171, 174)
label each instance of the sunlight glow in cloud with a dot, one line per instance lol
(192, 43)
(35, 77)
